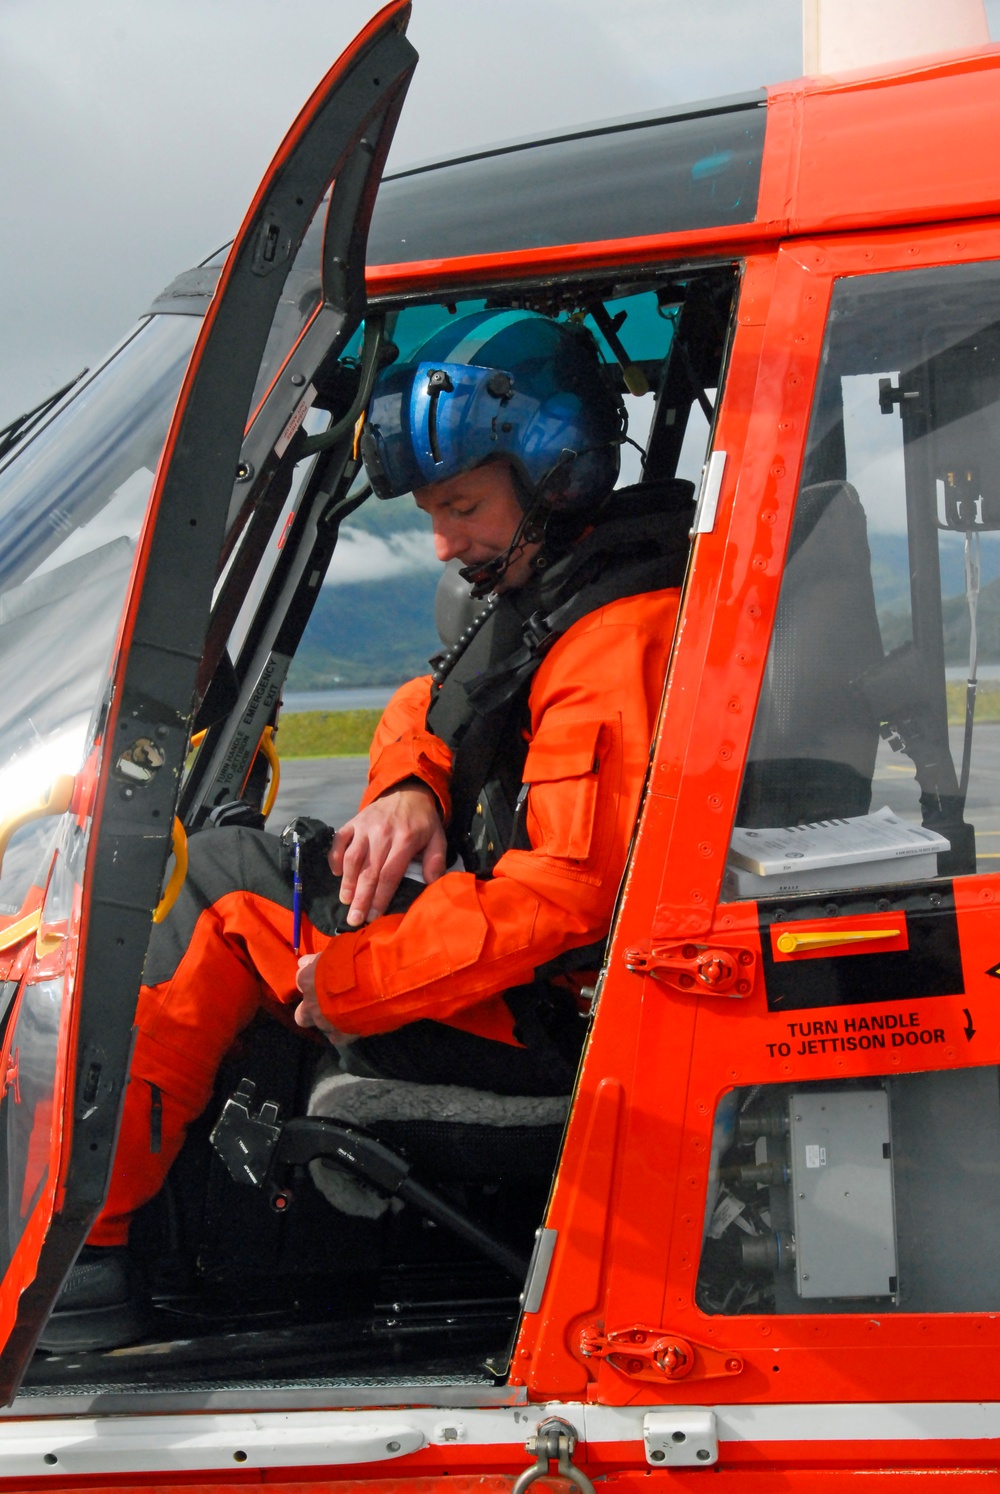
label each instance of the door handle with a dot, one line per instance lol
(789, 942)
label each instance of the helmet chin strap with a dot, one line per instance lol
(484, 575)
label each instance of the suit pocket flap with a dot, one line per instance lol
(569, 751)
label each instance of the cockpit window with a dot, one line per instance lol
(71, 505)
(873, 757)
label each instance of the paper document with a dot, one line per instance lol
(881, 836)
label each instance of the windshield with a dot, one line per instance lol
(72, 501)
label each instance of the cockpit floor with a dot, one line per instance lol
(422, 1323)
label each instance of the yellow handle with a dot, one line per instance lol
(16, 933)
(270, 751)
(56, 799)
(173, 887)
(789, 943)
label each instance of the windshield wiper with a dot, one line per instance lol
(22, 424)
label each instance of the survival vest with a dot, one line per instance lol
(479, 705)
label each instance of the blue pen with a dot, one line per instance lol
(296, 893)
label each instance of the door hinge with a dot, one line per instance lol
(716, 969)
(657, 1354)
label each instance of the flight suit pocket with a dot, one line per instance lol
(452, 938)
(563, 771)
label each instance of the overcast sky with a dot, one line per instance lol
(133, 133)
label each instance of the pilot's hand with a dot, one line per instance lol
(371, 852)
(308, 1013)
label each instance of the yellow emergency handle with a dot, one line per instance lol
(176, 882)
(789, 943)
(56, 799)
(270, 752)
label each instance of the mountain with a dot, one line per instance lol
(368, 633)
(891, 579)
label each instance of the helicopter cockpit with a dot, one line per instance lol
(224, 1260)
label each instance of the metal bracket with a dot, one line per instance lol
(538, 1270)
(716, 969)
(657, 1354)
(681, 1437)
(554, 1442)
(708, 496)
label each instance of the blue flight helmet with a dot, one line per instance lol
(509, 385)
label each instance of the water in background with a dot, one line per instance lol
(365, 698)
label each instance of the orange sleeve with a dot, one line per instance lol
(594, 703)
(402, 747)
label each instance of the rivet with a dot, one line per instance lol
(298, 380)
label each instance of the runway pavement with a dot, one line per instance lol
(328, 788)
(894, 784)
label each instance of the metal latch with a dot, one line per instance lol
(680, 1437)
(554, 1442)
(657, 1354)
(716, 969)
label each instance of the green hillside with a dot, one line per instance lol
(895, 626)
(368, 633)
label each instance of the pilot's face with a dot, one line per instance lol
(475, 517)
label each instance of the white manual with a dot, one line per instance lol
(804, 858)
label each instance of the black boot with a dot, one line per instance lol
(102, 1305)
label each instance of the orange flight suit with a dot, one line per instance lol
(593, 705)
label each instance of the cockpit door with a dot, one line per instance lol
(71, 960)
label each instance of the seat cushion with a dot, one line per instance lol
(447, 1131)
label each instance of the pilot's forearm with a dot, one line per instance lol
(461, 941)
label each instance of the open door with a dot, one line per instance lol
(92, 747)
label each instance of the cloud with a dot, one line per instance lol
(360, 556)
(135, 135)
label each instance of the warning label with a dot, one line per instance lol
(856, 1035)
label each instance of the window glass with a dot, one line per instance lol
(32, 1046)
(881, 698)
(878, 1195)
(642, 177)
(72, 501)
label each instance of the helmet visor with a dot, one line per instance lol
(432, 422)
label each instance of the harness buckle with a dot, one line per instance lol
(537, 633)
